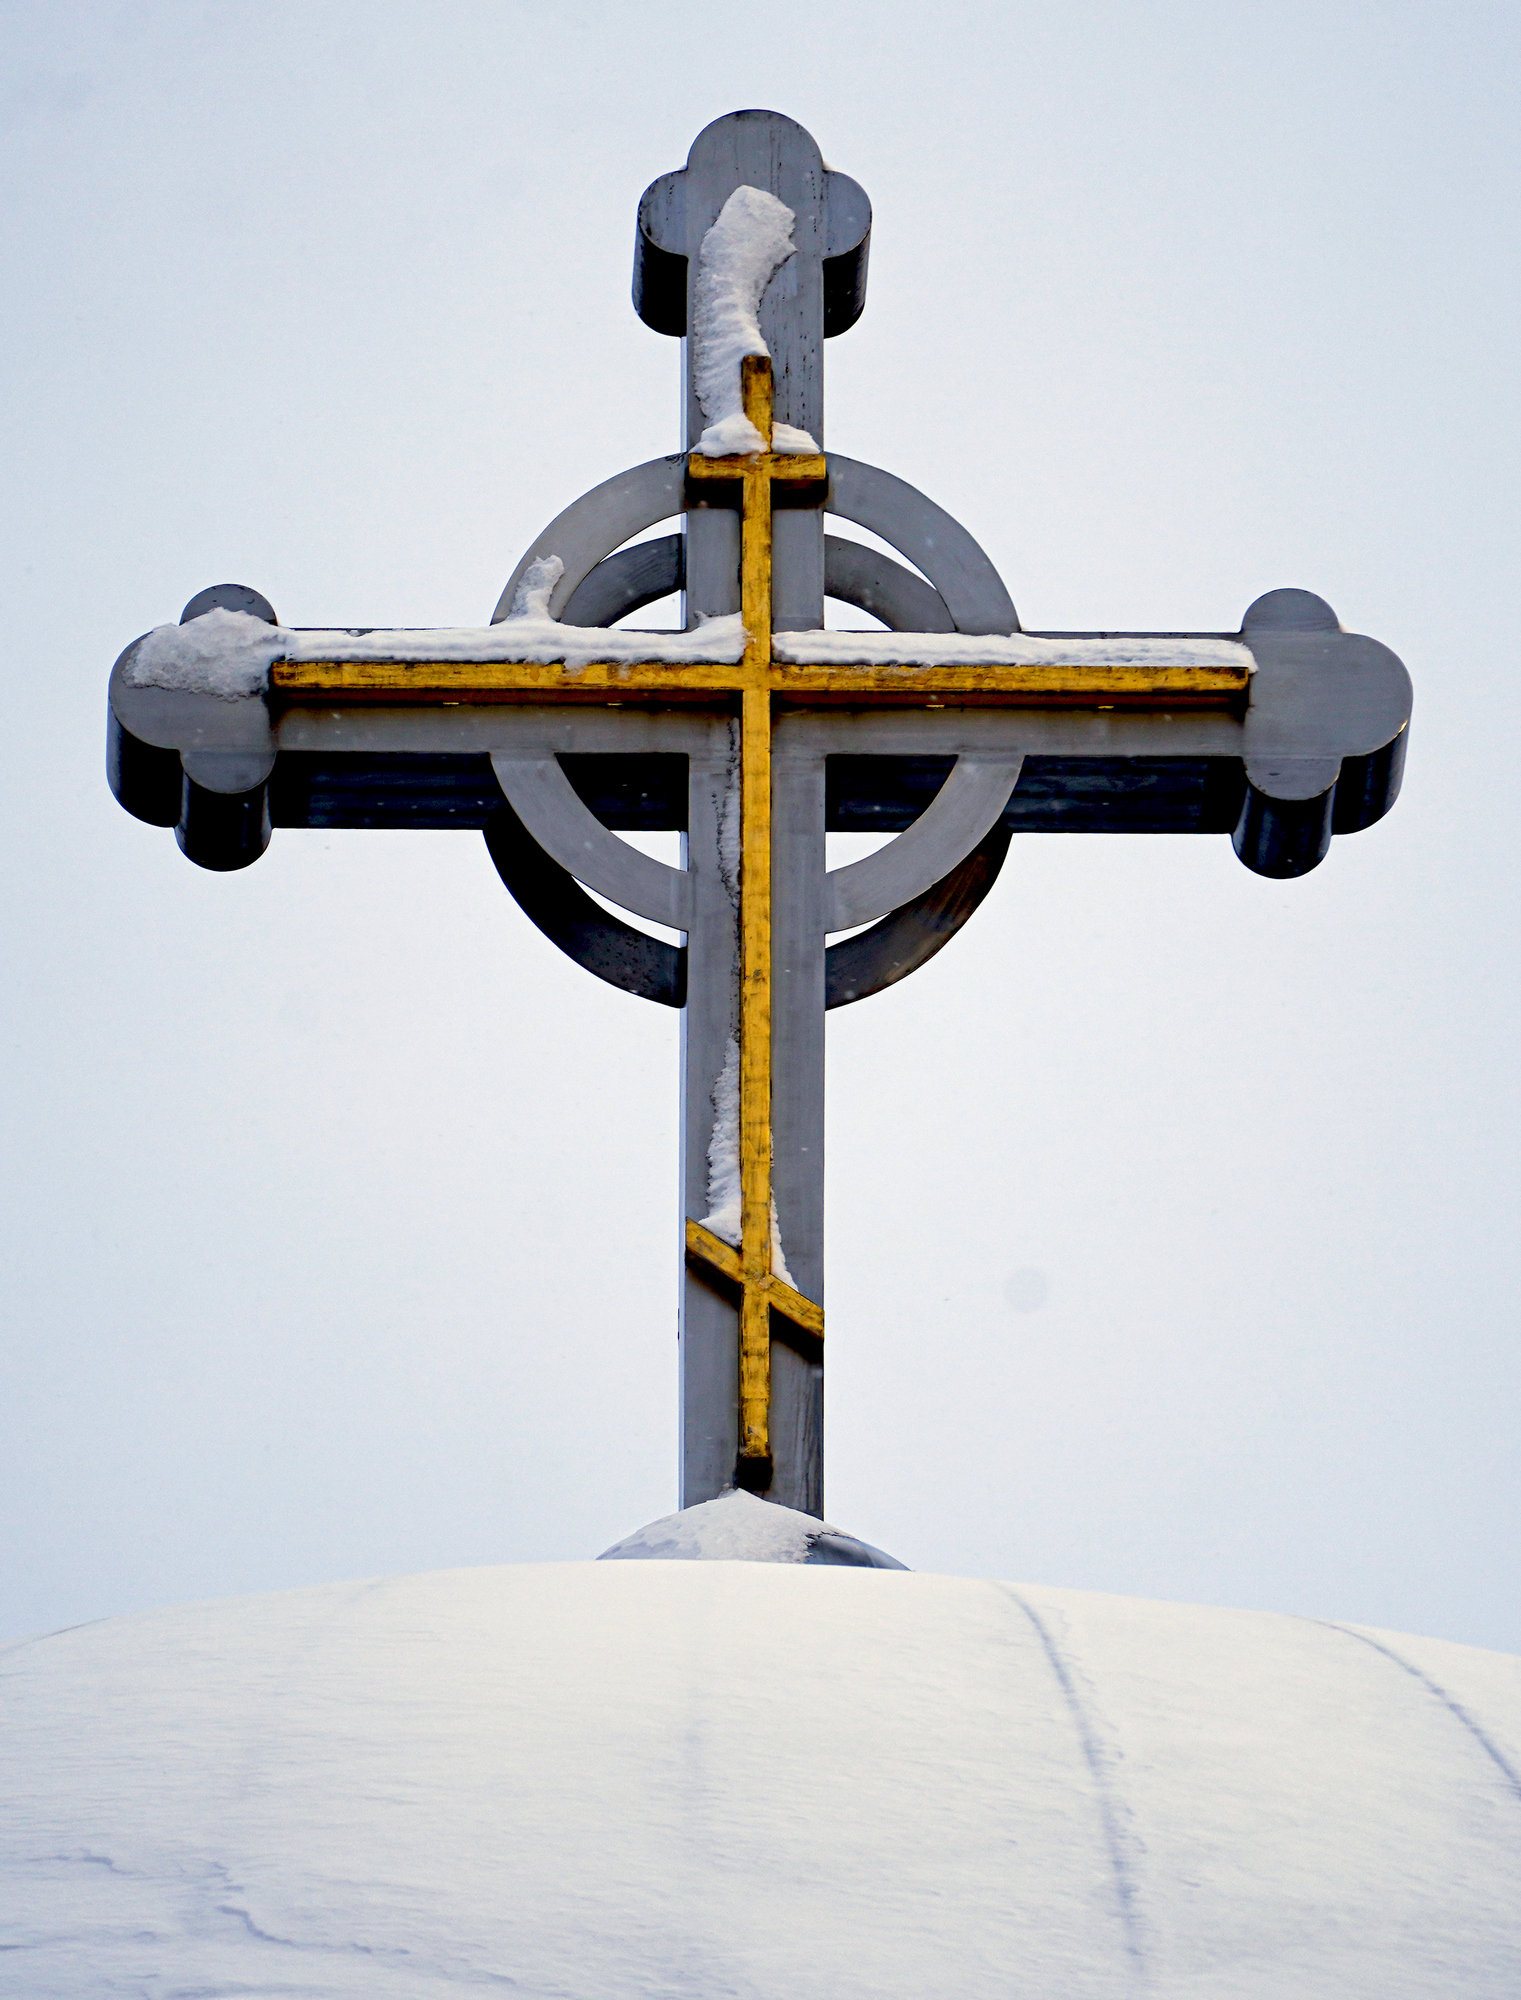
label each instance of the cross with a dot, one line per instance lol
(1279, 735)
(757, 681)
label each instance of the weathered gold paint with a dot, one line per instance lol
(755, 929)
(755, 1066)
(1058, 686)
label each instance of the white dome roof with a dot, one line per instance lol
(754, 1779)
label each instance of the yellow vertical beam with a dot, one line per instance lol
(755, 1074)
(755, 937)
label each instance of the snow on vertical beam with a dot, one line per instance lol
(751, 239)
(723, 1152)
(723, 1216)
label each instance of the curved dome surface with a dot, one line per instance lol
(725, 1778)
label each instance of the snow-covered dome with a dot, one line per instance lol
(741, 1778)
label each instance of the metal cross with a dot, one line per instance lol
(758, 681)
(1294, 731)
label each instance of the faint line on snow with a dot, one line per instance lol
(81, 1857)
(393, 1954)
(36, 1638)
(1476, 1730)
(1110, 1809)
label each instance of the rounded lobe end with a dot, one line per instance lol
(1290, 611)
(229, 597)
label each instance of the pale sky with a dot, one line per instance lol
(1171, 1219)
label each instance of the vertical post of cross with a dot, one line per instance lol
(754, 1467)
(817, 292)
(755, 1269)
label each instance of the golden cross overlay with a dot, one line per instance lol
(758, 683)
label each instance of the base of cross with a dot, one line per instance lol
(753, 1473)
(760, 1293)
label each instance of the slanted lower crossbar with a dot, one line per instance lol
(704, 1248)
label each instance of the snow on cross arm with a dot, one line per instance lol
(1018, 649)
(229, 654)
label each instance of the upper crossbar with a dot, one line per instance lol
(1045, 686)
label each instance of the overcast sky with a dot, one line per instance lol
(1172, 1240)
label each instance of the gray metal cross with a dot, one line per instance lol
(955, 734)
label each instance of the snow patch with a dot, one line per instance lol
(531, 598)
(225, 653)
(723, 1152)
(778, 1254)
(736, 1527)
(751, 239)
(723, 1216)
(790, 441)
(229, 654)
(1021, 649)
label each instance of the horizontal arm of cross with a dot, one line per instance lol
(757, 471)
(1045, 686)
(790, 468)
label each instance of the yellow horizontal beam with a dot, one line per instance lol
(494, 680)
(1031, 685)
(497, 680)
(703, 1247)
(794, 468)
